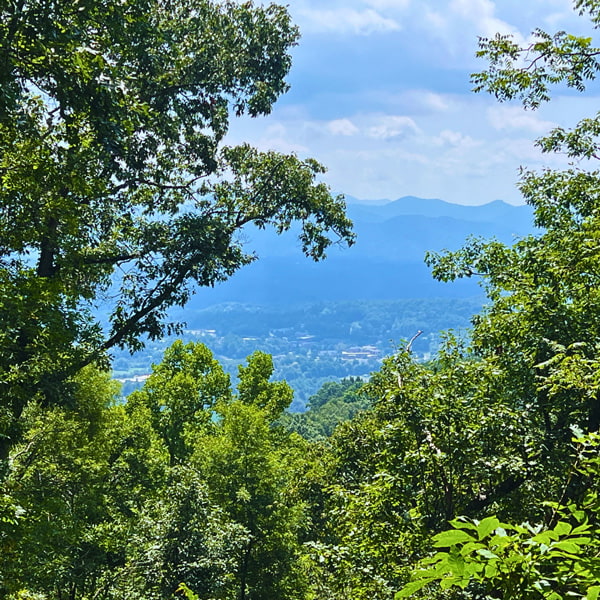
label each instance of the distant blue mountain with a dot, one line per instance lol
(492, 212)
(385, 263)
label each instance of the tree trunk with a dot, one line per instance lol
(244, 571)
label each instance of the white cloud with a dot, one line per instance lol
(434, 102)
(342, 127)
(424, 101)
(503, 118)
(455, 139)
(276, 130)
(280, 144)
(525, 153)
(279, 138)
(393, 127)
(348, 20)
(457, 24)
(555, 19)
(397, 118)
(482, 14)
(389, 4)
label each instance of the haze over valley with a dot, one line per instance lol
(340, 317)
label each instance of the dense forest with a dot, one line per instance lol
(473, 474)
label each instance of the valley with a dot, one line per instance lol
(339, 318)
(310, 343)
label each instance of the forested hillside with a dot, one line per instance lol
(474, 474)
(310, 343)
(386, 262)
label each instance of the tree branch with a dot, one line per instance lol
(509, 485)
(412, 339)
(110, 260)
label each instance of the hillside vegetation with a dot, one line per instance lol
(474, 474)
(310, 343)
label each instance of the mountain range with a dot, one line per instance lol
(385, 263)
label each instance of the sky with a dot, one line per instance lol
(381, 95)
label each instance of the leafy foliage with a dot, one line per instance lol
(193, 489)
(116, 188)
(335, 403)
(79, 478)
(180, 393)
(188, 482)
(555, 561)
(249, 467)
(180, 537)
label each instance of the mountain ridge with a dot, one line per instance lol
(434, 207)
(386, 262)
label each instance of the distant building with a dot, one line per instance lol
(361, 353)
(202, 332)
(135, 378)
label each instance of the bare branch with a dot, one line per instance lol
(412, 339)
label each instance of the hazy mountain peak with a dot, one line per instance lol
(491, 212)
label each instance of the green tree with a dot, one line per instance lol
(542, 325)
(229, 519)
(554, 560)
(95, 506)
(255, 389)
(80, 478)
(181, 394)
(334, 403)
(249, 467)
(539, 334)
(180, 536)
(116, 190)
(441, 439)
(485, 428)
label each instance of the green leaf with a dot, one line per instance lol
(470, 547)
(487, 553)
(437, 557)
(593, 593)
(410, 588)
(491, 570)
(566, 547)
(460, 523)
(456, 564)
(449, 582)
(563, 528)
(451, 537)
(486, 527)
(542, 538)
(584, 528)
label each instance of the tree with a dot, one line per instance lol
(228, 520)
(543, 322)
(179, 537)
(181, 394)
(92, 505)
(334, 403)
(540, 335)
(555, 560)
(80, 478)
(486, 429)
(116, 191)
(442, 439)
(249, 466)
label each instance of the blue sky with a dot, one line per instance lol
(381, 95)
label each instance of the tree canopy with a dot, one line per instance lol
(117, 193)
(472, 475)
